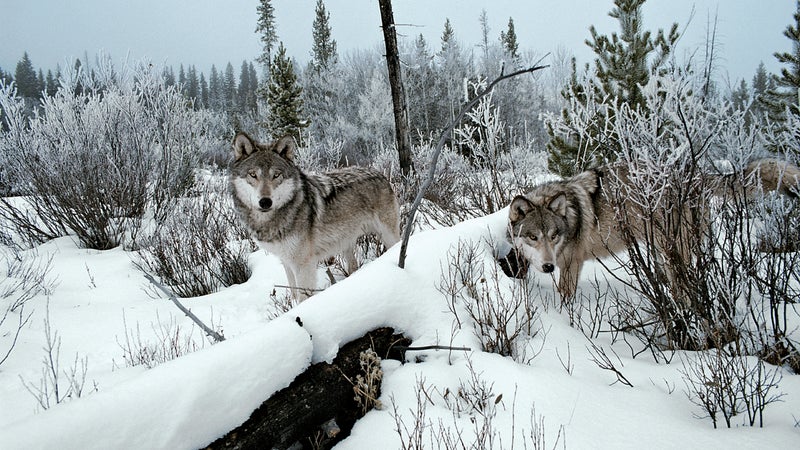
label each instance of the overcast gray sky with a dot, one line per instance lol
(205, 32)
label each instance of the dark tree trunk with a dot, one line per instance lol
(396, 84)
(318, 407)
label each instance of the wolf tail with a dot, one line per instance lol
(774, 175)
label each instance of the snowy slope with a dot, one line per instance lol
(188, 402)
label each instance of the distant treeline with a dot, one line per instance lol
(221, 90)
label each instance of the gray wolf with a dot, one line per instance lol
(563, 224)
(305, 218)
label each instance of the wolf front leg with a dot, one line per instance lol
(306, 281)
(568, 280)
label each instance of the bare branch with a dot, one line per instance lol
(218, 337)
(435, 158)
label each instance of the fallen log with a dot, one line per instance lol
(319, 408)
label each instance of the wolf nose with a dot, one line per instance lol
(265, 203)
(548, 268)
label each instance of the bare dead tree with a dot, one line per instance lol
(396, 85)
(440, 144)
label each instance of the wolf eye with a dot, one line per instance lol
(533, 238)
(252, 174)
(276, 175)
(554, 236)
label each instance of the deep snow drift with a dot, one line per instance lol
(560, 396)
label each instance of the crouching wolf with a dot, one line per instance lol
(305, 218)
(563, 224)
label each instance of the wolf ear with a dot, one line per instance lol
(243, 146)
(558, 204)
(285, 147)
(520, 207)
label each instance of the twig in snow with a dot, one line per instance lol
(218, 337)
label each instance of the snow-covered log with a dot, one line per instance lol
(319, 406)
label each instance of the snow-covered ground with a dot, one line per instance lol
(560, 397)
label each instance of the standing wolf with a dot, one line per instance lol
(306, 218)
(563, 224)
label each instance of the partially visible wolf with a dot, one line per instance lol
(305, 218)
(563, 224)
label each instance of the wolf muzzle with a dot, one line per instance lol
(265, 203)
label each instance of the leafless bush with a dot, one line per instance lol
(57, 385)
(24, 278)
(171, 342)
(725, 384)
(504, 314)
(473, 401)
(200, 246)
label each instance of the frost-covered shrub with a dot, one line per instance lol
(502, 313)
(201, 246)
(93, 162)
(701, 274)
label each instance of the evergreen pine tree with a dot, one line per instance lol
(40, 84)
(242, 96)
(622, 67)
(509, 40)
(182, 80)
(785, 94)
(323, 50)
(193, 86)
(229, 88)
(420, 80)
(761, 80)
(266, 29)
(215, 98)
(5, 77)
(204, 97)
(51, 84)
(451, 70)
(284, 97)
(252, 93)
(740, 97)
(448, 36)
(169, 76)
(25, 78)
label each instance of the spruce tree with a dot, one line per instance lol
(622, 67)
(784, 96)
(244, 87)
(284, 98)
(229, 88)
(5, 77)
(25, 78)
(509, 40)
(252, 94)
(265, 27)
(323, 50)
(740, 97)
(204, 95)
(192, 88)
(215, 100)
(51, 84)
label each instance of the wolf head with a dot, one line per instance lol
(263, 176)
(539, 228)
